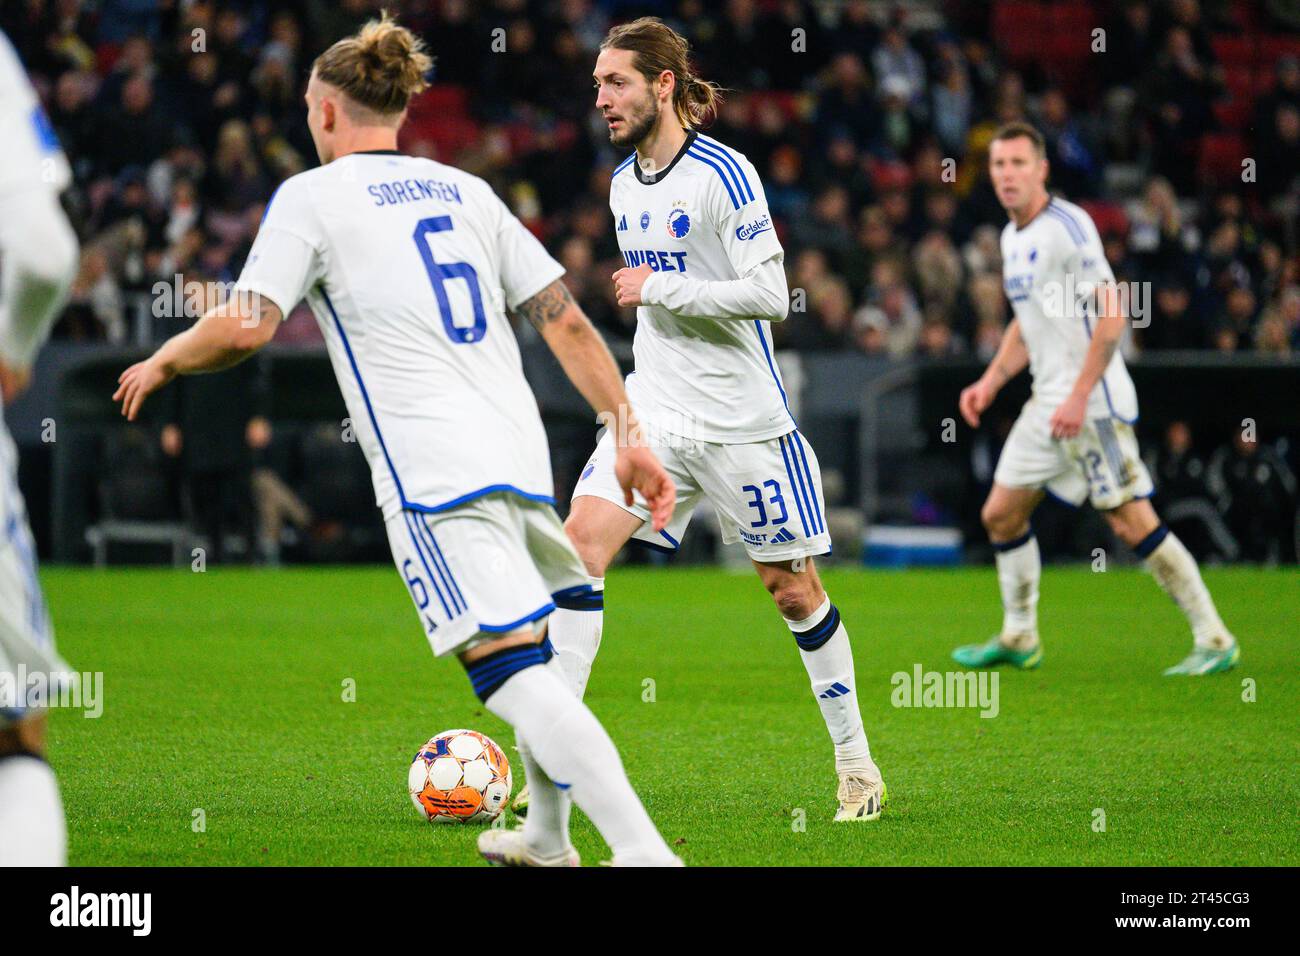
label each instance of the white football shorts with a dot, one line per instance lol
(767, 494)
(485, 568)
(26, 635)
(1101, 465)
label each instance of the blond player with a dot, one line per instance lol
(409, 266)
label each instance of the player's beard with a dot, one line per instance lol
(638, 125)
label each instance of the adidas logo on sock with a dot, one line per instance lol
(835, 690)
(781, 537)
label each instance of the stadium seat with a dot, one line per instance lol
(1020, 29)
(1109, 217)
(1234, 50)
(1221, 156)
(1275, 46)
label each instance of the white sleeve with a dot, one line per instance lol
(1086, 261)
(40, 254)
(285, 260)
(736, 207)
(526, 268)
(760, 293)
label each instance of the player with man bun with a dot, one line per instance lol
(409, 266)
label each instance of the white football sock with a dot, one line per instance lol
(1173, 566)
(1019, 569)
(32, 831)
(546, 828)
(830, 669)
(576, 637)
(573, 750)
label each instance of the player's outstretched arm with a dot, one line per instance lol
(226, 335)
(1067, 420)
(1011, 359)
(591, 368)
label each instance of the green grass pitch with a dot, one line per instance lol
(223, 692)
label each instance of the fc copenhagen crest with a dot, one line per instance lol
(679, 223)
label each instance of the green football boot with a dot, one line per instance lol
(993, 652)
(1204, 661)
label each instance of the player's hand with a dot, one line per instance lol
(139, 382)
(975, 399)
(13, 381)
(628, 283)
(1067, 420)
(637, 468)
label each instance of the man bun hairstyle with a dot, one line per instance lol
(656, 47)
(380, 68)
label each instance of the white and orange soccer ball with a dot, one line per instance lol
(459, 776)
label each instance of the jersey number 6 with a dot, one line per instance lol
(440, 272)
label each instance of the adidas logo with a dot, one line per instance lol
(781, 537)
(622, 223)
(835, 690)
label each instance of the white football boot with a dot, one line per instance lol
(862, 796)
(507, 848)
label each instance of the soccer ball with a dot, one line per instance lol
(459, 776)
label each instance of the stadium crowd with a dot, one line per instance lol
(869, 121)
(870, 128)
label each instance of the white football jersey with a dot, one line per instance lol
(409, 266)
(31, 151)
(1049, 271)
(705, 216)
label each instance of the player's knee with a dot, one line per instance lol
(999, 522)
(794, 597)
(587, 541)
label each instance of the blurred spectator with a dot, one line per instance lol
(1186, 505)
(1256, 493)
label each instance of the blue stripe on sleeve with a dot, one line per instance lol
(732, 160)
(730, 166)
(704, 158)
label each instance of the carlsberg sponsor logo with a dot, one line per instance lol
(75, 908)
(745, 233)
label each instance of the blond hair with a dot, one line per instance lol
(380, 68)
(656, 47)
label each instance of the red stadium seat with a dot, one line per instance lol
(1075, 18)
(1241, 82)
(1221, 156)
(1020, 29)
(1234, 50)
(1233, 114)
(1273, 47)
(1109, 217)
